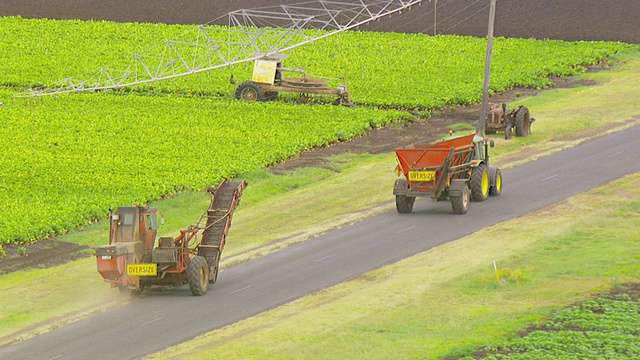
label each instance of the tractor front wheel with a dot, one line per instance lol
(249, 91)
(460, 204)
(496, 187)
(198, 274)
(480, 183)
(404, 204)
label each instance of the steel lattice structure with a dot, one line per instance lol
(252, 34)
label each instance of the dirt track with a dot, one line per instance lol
(573, 20)
(570, 20)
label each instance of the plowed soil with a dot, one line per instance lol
(571, 20)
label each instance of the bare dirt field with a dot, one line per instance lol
(572, 20)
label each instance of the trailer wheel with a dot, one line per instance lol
(404, 204)
(198, 274)
(480, 183)
(460, 204)
(523, 122)
(249, 91)
(271, 95)
(496, 187)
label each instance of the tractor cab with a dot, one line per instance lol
(134, 224)
(132, 232)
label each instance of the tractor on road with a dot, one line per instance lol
(455, 169)
(133, 260)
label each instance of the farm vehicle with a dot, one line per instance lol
(455, 169)
(499, 118)
(268, 80)
(133, 260)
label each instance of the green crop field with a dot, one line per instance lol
(67, 159)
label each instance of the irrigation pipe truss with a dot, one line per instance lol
(252, 34)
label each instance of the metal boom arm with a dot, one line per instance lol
(251, 34)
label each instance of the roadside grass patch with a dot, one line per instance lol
(37, 301)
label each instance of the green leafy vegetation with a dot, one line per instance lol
(72, 157)
(68, 162)
(599, 328)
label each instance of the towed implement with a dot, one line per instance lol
(133, 260)
(456, 169)
(268, 80)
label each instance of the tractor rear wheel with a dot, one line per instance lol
(404, 204)
(198, 274)
(249, 91)
(480, 183)
(496, 188)
(523, 122)
(460, 204)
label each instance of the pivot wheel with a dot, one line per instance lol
(249, 91)
(404, 204)
(198, 276)
(460, 204)
(496, 188)
(523, 122)
(480, 183)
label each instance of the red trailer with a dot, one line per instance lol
(456, 168)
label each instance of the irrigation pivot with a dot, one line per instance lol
(252, 34)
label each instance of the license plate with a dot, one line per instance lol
(142, 269)
(422, 175)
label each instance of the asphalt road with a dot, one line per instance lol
(169, 318)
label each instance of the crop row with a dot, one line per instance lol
(602, 328)
(70, 158)
(66, 159)
(382, 69)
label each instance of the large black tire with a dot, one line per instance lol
(460, 204)
(496, 188)
(404, 204)
(198, 276)
(249, 91)
(522, 122)
(480, 183)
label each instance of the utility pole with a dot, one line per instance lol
(435, 11)
(487, 69)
